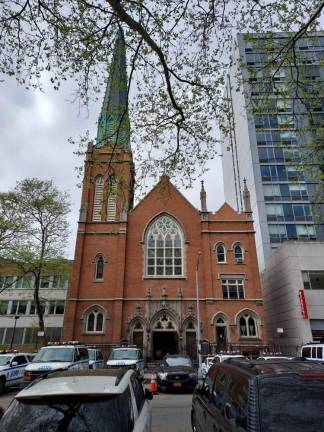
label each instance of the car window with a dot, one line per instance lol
(219, 388)
(209, 383)
(236, 399)
(177, 361)
(138, 392)
(123, 354)
(294, 401)
(216, 360)
(55, 354)
(306, 352)
(84, 355)
(319, 352)
(20, 359)
(70, 414)
(313, 352)
(4, 359)
(99, 355)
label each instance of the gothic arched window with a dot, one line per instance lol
(95, 321)
(221, 253)
(99, 267)
(238, 254)
(248, 326)
(164, 248)
(97, 200)
(111, 202)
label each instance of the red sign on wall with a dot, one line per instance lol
(303, 305)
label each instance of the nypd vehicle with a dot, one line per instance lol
(129, 357)
(12, 368)
(95, 358)
(59, 356)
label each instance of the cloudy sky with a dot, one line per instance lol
(34, 131)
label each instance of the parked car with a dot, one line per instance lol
(176, 373)
(216, 359)
(313, 351)
(12, 368)
(269, 396)
(57, 356)
(96, 360)
(101, 400)
(128, 357)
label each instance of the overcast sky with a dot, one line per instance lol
(34, 131)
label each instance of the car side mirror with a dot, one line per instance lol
(2, 410)
(148, 394)
(199, 389)
(229, 411)
(14, 363)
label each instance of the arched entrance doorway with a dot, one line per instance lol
(165, 337)
(191, 340)
(138, 335)
(221, 333)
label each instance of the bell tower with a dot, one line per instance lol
(107, 196)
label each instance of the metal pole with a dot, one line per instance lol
(198, 314)
(14, 331)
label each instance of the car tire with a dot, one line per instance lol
(2, 384)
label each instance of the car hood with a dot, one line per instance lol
(47, 366)
(4, 367)
(185, 369)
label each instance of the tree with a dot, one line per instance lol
(179, 52)
(37, 247)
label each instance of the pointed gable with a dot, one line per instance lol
(227, 213)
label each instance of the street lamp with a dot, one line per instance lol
(198, 314)
(14, 330)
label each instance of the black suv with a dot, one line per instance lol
(260, 396)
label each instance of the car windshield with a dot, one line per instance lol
(292, 404)
(55, 355)
(92, 355)
(123, 354)
(4, 360)
(68, 414)
(178, 361)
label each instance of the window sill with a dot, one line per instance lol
(98, 280)
(251, 338)
(222, 263)
(93, 333)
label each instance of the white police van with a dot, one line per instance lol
(96, 360)
(129, 357)
(313, 351)
(69, 355)
(12, 368)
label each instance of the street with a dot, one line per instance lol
(170, 412)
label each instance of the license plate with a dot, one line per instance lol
(177, 384)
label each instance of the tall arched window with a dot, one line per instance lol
(111, 202)
(97, 200)
(99, 267)
(248, 326)
(95, 321)
(221, 253)
(238, 254)
(164, 248)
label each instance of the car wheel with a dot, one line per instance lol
(2, 384)
(194, 422)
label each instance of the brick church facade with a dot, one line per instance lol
(137, 269)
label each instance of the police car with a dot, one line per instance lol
(69, 355)
(129, 357)
(12, 368)
(95, 358)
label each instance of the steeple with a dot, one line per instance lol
(246, 199)
(113, 123)
(203, 198)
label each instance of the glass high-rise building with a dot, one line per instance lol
(270, 128)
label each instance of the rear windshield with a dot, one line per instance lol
(55, 355)
(123, 354)
(292, 404)
(178, 361)
(85, 414)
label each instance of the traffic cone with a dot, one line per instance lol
(153, 384)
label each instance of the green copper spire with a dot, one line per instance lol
(113, 124)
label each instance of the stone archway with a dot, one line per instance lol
(165, 338)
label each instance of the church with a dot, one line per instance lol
(157, 273)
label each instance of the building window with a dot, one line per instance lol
(238, 254)
(95, 321)
(233, 288)
(164, 249)
(60, 282)
(18, 307)
(111, 202)
(45, 282)
(221, 253)
(99, 267)
(98, 197)
(7, 282)
(56, 307)
(313, 280)
(248, 326)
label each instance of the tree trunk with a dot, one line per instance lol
(40, 313)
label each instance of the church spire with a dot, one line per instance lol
(113, 123)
